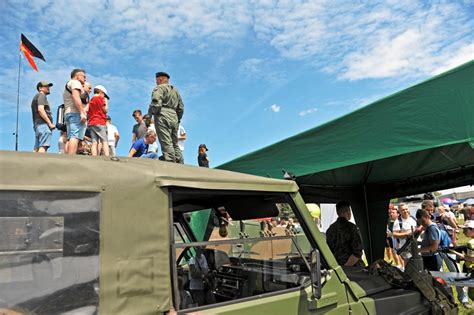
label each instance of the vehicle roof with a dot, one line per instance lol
(51, 170)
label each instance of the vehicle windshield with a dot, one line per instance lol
(243, 244)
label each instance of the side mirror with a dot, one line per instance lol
(315, 265)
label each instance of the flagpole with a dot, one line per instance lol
(18, 101)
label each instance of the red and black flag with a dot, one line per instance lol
(30, 51)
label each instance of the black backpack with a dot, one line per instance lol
(60, 123)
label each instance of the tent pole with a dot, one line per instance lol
(368, 224)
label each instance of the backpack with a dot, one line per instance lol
(444, 239)
(60, 123)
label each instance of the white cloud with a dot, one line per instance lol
(261, 69)
(308, 112)
(275, 108)
(250, 66)
(370, 39)
(455, 58)
(118, 28)
(355, 41)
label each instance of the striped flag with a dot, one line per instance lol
(30, 51)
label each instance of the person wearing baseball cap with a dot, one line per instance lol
(42, 117)
(468, 257)
(97, 122)
(203, 160)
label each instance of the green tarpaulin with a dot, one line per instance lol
(417, 140)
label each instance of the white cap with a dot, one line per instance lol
(103, 89)
(468, 224)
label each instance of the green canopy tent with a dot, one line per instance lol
(417, 140)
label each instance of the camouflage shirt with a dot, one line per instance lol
(166, 95)
(344, 240)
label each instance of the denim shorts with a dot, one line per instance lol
(42, 135)
(75, 129)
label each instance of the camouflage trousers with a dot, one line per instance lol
(166, 125)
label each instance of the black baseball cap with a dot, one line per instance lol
(162, 74)
(203, 146)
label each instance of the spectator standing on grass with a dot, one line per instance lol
(471, 211)
(430, 243)
(468, 256)
(403, 228)
(448, 221)
(428, 205)
(463, 211)
(449, 260)
(391, 241)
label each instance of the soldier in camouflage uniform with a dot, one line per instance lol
(167, 108)
(343, 237)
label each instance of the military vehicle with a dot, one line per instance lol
(82, 235)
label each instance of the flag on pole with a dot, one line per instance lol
(30, 51)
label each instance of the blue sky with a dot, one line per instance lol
(250, 72)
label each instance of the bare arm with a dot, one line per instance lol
(461, 256)
(132, 152)
(352, 260)
(400, 234)
(453, 223)
(45, 117)
(117, 138)
(105, 108)
(76, 99)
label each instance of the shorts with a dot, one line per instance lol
(42, 136)
(99, 133)
(75, 129)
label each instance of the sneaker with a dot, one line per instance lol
(467, 305)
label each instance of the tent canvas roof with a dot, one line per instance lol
(423, 130)
(417, 140)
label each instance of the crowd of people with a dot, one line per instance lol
(434, 228)
(87, 129)
(437, 229)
